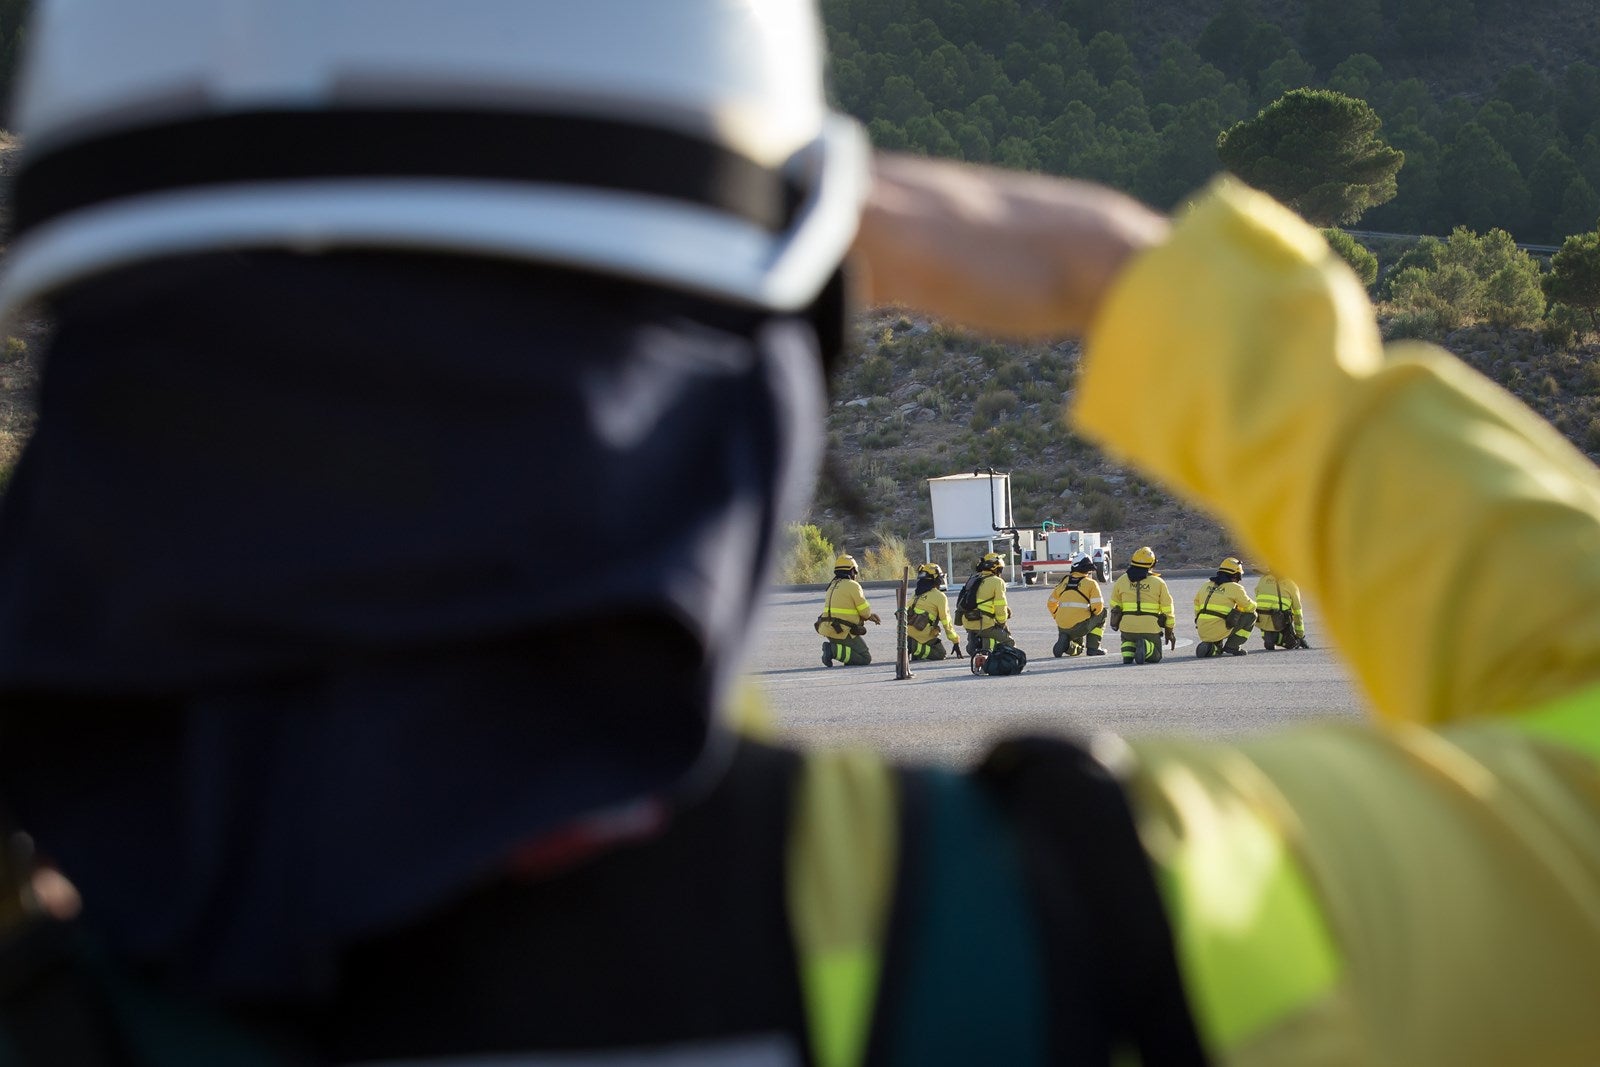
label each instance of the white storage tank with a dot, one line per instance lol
(970, 506)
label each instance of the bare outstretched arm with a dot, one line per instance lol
(1011, 254)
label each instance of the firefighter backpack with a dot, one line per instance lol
(967, 600)
(1005, 659)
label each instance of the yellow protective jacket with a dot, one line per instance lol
(1074, 599)
(936, 606)
(1214, 603)
(992, 606)
(1279, 594)
(1424, 889)
(843, 607)
(1146, 604)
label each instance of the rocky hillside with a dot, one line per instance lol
(918, 400)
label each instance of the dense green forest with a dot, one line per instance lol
(1495, 104)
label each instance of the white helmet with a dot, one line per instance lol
(685, 143)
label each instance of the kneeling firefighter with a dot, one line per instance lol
(845, 613)
(1223, 612)
(983, 608)
(1280, 613)
(1141, 608)
(928, 614)
(1079, 611)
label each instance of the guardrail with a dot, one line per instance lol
(1543, 250)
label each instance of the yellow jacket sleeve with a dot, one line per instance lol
(845, 599)
(944, 619)
(1422, 891)
(1056, 594)
(859, 598)
(992, 599)
(1272, 402)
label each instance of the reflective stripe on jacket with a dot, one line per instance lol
(1074, 599)
(1146, 604)
(844, 606)
(846, 600)
(1279, 594)
(1214, 603)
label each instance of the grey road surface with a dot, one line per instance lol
(946, 714)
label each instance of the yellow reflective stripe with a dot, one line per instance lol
(1251, 937)
(841, 868)
(858, 612)
(1572, 722)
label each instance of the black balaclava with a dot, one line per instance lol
(926, 582)
(306, 574)
(1137, 574)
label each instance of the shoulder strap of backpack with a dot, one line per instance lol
(967, 600)
(935, 849)
(1205, 609)
(1081, 850)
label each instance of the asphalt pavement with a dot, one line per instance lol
(944, 713)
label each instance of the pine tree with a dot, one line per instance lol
(1316, 150)
(1574, 277)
